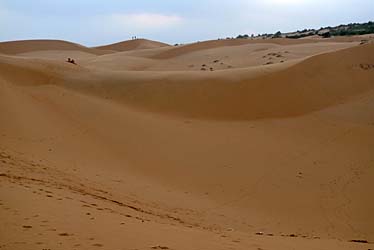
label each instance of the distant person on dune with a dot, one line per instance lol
(71, 61)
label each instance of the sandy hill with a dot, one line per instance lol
(212, 58)
(244, 94)
(240, 94)
(274, 156)
(244, 56)
(24, 46)
(133, 45)
(188, 48)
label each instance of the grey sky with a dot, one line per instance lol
(94, 22)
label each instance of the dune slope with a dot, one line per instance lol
(245, 94)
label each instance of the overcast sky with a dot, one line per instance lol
(95, 22)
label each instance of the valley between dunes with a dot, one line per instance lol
(227, 144)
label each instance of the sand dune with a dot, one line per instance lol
(243, 56)
(17, 47)
(245, 94)
(240, 94)
(231, 57)
(127, 150)
(180, 50)
(59, 55)
(133, 45)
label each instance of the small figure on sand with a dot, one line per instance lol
(71, 61)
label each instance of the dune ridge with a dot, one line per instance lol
(188, 48)
(23, 46)
(136, 44)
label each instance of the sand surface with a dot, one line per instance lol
(229, 144)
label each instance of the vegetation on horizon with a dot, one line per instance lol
(325, 32)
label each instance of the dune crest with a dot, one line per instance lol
(136, 44)
(23, 46)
